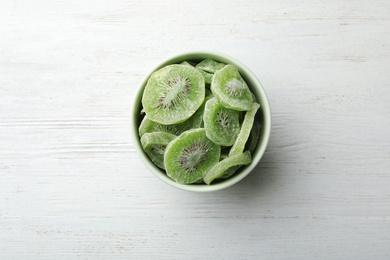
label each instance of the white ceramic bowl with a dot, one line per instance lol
(255, 86)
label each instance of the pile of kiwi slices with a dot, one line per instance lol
(199, 121)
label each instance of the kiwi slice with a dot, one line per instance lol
(207, 76)
(154, 145)
(229, 172)
(149, 126)
(173, 93)
(231, 90)
(188, 63)
(195, 121)
(221, 124)
(221, 167)
(254, 137)
(210, 65)
(189, 156)
(246, 127)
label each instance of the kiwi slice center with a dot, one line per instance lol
(166, 128)
(235, 87)
(158, 148)
(175, 89)
(222, 119)
(193, 156)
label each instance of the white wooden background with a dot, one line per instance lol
(72, 186)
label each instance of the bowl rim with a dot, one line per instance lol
(257, 87)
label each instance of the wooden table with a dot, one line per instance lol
(73, 187)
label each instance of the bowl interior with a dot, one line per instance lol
(264, 114)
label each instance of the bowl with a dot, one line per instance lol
(264, 110)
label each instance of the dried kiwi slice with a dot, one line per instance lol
(149, 126)
(173, 94)
(231, 89)
(221, 124)
(229, 172)
(154, 145)
(190, 156)
(210, 65)
(189, 63)
(195, 121)
(246, 127)
(254, 137)
(231, 161)
(207, 76)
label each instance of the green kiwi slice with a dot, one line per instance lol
(231, 161)
(207, 76)
(195, 121)
(149, 126)
(189, 156)
(254, 137)
(246, 127)
(221, 124)
(154, 145)
(188, 63)
(173, 93)
(231, 89)
(229, 172)
(210, 65)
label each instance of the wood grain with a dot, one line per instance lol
(73, 187)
